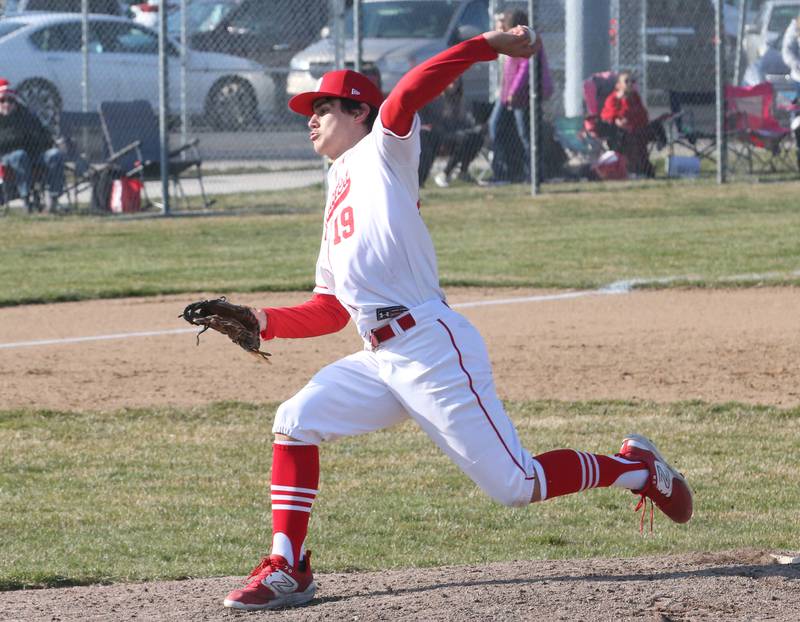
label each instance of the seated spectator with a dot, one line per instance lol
(449, 128)
(26, 144)
(624, 123)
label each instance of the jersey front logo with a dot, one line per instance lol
(340, 192)
(343, 225)
(342, 221)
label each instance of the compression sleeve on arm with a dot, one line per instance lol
(426, 81)
(321, 315)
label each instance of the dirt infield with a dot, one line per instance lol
(717, 346)
(728, 586)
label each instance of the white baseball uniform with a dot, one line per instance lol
(377, 258)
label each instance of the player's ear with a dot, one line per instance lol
(362, 113)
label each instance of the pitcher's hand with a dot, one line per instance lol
(515, 42)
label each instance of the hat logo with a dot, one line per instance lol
(355, 92)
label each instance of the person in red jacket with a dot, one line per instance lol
(628, 128)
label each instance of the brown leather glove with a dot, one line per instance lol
(237, 322)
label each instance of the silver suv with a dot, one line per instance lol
(397, 35)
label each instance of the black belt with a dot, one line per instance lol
(384, 333)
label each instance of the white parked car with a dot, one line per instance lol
(40, 54)
(397, 35)
(107, 7)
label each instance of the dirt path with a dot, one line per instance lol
(716, 346)
(729, 586)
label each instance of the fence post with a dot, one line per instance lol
(573, 58)
(587, 49)
(163, 95)
(643, 45)
(338, 33)
(719, 45)
(614, 25)
(357, 34)
(184, 63)
(494, 68)
(85, 56)
(534, 116)
(737, 63)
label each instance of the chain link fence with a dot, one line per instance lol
(233, 64)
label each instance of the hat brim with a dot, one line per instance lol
(304, 102)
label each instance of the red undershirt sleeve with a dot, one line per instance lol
(321, 315)
(428, 80)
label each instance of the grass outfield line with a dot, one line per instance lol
(165, 494)
(483, 236)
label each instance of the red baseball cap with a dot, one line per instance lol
(344, 83)
(6, 90)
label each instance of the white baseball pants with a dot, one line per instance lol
(438, 373)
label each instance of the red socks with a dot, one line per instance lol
(567, 471)
(295, 479)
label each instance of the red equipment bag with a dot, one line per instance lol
(126, 195)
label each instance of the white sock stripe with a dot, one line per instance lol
(310, 491)
(291, 498)
(293, 443)
(623, 460)
(589, 469)
(298, 508)
(596, 465)
(537, 466)
(583, 470)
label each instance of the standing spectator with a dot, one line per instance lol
(498, 117)
(25, 144)
(513, 101)
(790, 51)
(627, 126)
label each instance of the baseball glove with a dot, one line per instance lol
(235, 321)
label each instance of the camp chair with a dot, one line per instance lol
(8, 189)
(757, 142)
(691, 125)
(125, 122)
(85, 152)
(571, 134)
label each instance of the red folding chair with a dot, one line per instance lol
(757, 141)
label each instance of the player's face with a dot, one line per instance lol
(625, 83)
(332, 130)
(7, 105)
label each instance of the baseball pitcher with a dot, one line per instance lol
(421, 360)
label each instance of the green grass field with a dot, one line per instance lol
(145, 494)
(483, 237)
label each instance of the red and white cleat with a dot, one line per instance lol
(273, 584)
(667, 488)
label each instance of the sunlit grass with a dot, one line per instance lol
(146, 494)
(573, 236)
